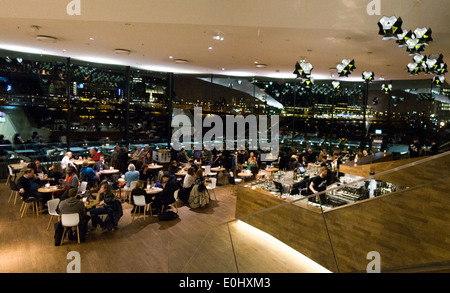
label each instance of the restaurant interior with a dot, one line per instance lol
(94, 158)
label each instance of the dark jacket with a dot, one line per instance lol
(30, 185)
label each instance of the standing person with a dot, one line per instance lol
(122, 160)
(319, 184)
(415, 149)
(114, 162)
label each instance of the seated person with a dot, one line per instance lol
(146, 174)
(39, 168)
(95, 156)
(140, 190)
(182, 157)
(188, 183)
(173, 168)
(56, 172)
(165, 197)
(107, 205)
(131, 176)
(72, 205)
(87, 173)
(100, 165)
(148, 159)
(71, 181)
(199, 196)
(28, 184)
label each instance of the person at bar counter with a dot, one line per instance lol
(415, 149)
(311, 156)
(319, 184)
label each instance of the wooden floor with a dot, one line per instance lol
(144, 246)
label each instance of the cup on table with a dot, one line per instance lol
(47, 185)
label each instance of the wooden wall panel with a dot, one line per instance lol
(408, 228)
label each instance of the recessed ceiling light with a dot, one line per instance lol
(170, 57)
(91, 39)
(209, 48)
(47, 39)
(180, 61)
(259, 65)
(122, 51)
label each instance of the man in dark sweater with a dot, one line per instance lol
(28, 185)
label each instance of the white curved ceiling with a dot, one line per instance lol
(273, 32)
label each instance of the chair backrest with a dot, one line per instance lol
(213, 182)
(133, 184)
(82, 187)
(139, 200)
(70, 220)
(11, 172)
(13, 185)
(52, 205)
(207, 169)
(175, 194)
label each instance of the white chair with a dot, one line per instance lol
(82, 188)
(129, 189)
(11, 175)
(174, 204)
(208, 171)
(52, 205)
(139, 201)
(70, 220)
(212, 186)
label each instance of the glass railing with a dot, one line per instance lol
(394, 220)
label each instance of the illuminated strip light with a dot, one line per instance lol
(270, 240)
